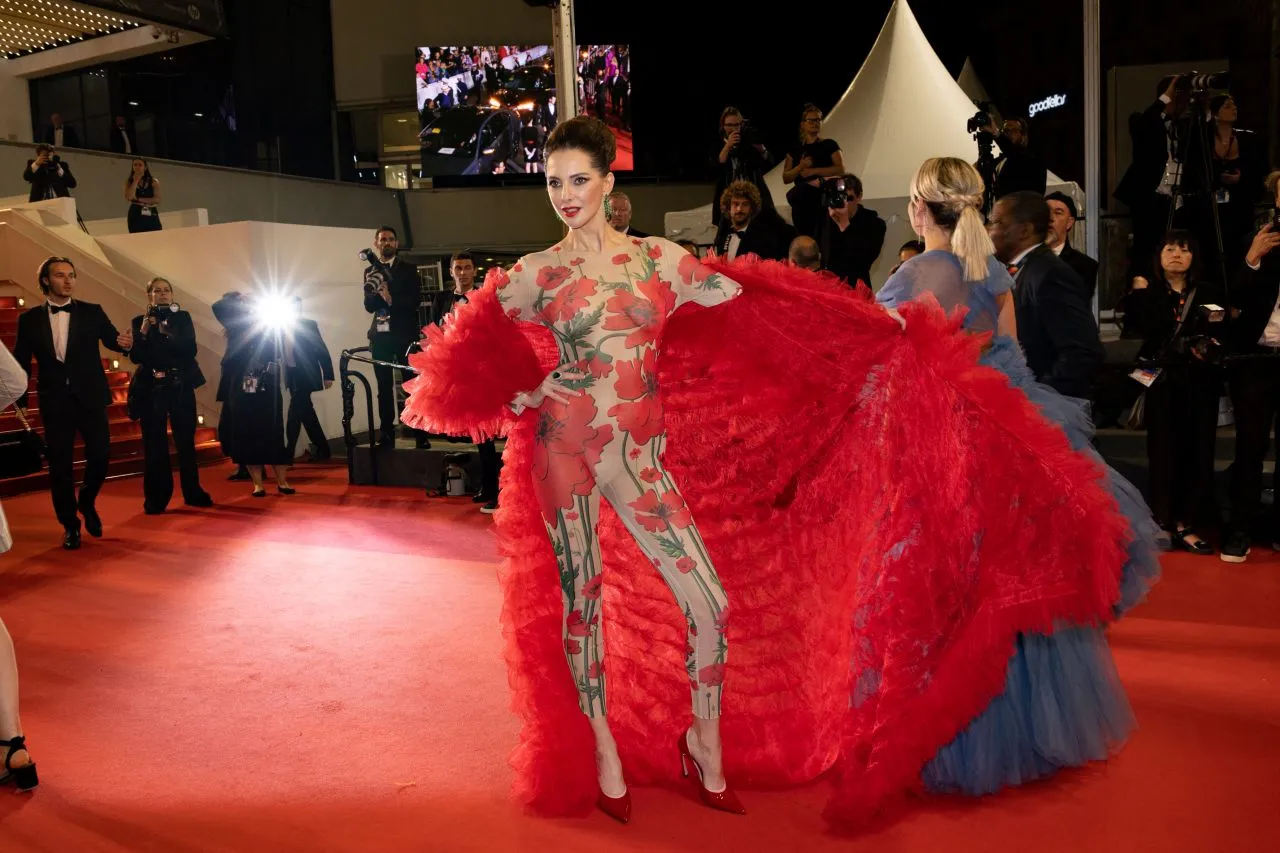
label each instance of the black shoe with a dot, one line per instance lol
(480, 498)
(153, 510)
(259, 493)
(241, 473)
(317, 456)
(286, 490)
(1237, 548)
(71, 539)
(201, 500)
(23, 777)
(490, 508)
(387, 440)
(92, 521)
(1199, 547)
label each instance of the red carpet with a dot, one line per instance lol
(321, 673)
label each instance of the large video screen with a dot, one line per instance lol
(487, 109)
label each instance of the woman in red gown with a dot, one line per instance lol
(814, 438)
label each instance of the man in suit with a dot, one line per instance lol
(462, 267)
(853, 236)
(620, 215)
(60, 135)
(1062, 218)
(392, 292)
(748, 229)
(1255, 383)
(1056, 326)
(308, 368)
(49, 175)
(162, 397)
(121, 138)
(63, 335)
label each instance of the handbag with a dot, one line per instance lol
(22, 451)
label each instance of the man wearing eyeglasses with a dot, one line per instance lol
(741, 158)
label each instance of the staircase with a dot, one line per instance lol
(126, 435)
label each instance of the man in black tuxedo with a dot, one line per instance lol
(748, 229)
(1056, 326)
(162, 397)
(392, 292)
(308, 369)
(49, 175)
(1255, 384)
(63, 335)
(1062, 218)
(60, 135)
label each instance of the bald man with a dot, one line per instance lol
(804, 254)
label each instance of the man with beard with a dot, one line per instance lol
(744, 227)
(391, 295)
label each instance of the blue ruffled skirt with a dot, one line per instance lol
(1063, 705)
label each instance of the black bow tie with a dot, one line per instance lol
(54, 309)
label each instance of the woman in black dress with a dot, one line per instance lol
(807, 166)
(1239, 162)
(1181, 408)
(251, 426)
(143, 194)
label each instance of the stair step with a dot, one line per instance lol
(207, 453)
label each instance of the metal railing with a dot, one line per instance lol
(346, 374)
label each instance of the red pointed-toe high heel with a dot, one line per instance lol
(618, 808)
(726, 800)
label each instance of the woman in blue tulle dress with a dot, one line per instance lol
(1063, 704)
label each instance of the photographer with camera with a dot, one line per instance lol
(1169, 170)
(1255, 378)
(742, 157)
(809, 164)
(1238, 163)
(49, 175)
(391, 294)
(162, 395)
(1177, 314)
(1016, 169)
(853, 235)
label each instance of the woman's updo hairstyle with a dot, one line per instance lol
(588, 135)
(952, 189)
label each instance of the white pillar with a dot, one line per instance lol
(565, 45)
(1092, 131)
(15, 106)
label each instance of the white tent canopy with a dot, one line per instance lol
(970, 84)
(901, 109)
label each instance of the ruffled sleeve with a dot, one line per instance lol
(469, 370)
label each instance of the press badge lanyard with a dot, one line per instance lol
(1148, 375)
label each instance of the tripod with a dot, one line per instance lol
(1197, 134)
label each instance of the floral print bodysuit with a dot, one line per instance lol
(607, 312)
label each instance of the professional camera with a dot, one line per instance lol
(160, 313)
(1197, 338)
(747, 133)
(834, 194)
(1197, 82)
(979, 128)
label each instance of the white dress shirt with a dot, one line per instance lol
(60, 323)
(735, 240)
(1016, 263)
(57, 137)
(128, 145)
